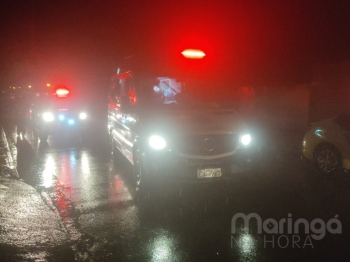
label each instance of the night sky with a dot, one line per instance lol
(253, 42)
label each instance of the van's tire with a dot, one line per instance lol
(327, 160)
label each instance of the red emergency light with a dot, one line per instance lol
(62, 92)
(193, 54)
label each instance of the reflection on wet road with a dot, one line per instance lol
(97, 202)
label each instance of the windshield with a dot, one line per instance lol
(171, 94)
(50, 100)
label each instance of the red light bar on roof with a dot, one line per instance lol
(62, 92)
(193, 54)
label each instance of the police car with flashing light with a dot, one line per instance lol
(58, 111)
(169, 131)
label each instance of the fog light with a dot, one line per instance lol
(61, 117)
(157, 142)
(82, 116)
(246, 139)
(48, 117)
(71, 121)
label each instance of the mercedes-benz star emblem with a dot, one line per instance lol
(209, 144)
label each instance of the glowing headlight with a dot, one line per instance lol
(82, 116)
(246, 139)
(48, 117)
(157, 142)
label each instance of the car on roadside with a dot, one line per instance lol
(58, 112)
(327, 144)
(170, 132)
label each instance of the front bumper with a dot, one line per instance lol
(56, 126)
(175, 167)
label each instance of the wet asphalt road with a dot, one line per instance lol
(109, 222)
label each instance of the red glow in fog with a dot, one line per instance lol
(62, 92)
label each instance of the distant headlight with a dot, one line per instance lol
(157, 142)
(48, 117)
(246, 139)
(82, 116)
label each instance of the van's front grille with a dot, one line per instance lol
(206, 145)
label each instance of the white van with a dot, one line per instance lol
(168, 130)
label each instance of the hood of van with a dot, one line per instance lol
(193, 122)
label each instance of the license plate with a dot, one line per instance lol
(209, 172)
